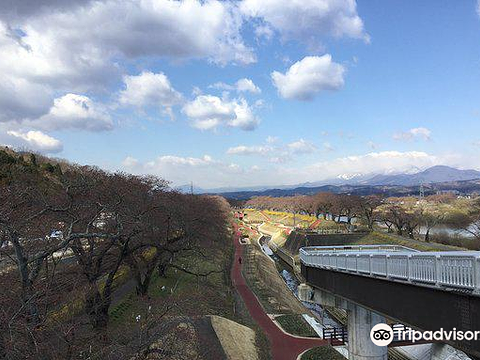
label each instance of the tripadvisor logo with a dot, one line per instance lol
(381, 334)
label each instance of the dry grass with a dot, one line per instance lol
(238, 341)
(253, 216)
(270, 229)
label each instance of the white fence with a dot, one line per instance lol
(452, 269)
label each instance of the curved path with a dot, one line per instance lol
(283, 346)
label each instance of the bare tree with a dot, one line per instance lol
(323, 203)
(368, 204)
(401, 213)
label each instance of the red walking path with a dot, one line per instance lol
(283, 346)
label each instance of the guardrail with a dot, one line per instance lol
(450, 269)
(371, 248)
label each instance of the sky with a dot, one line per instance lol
(239, 93)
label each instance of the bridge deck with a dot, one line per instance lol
(444, 270)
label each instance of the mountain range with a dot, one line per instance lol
(446, 178)
(435, 174)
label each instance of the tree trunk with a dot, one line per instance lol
(3, 348)
(369, 217)
(164, 261)
(427, 235)
(30, 301)
(142, 288)
(370, 225)
(411, 232)
(144, 284)
(96, 307)
(28, 295)
(162, 269)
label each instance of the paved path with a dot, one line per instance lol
(283, 346)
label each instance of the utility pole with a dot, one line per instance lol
(191, 187)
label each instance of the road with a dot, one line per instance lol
(283, 346)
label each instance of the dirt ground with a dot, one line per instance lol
(238, 341)
(185, 338)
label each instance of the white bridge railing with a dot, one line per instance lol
(452, 269)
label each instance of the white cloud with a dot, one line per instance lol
(308, 77)
(21, 99)
(242, 85)
(264, 31)
(301, 147)
(14, 10)
(249, 150)
(307, 20)
(274, 151)
(247, 85)
(372, 163)
(209, 112)
(73, 111)
(149, 89)
(279, 159)
(130, 162)
(260, 103)
(412, 134)
(271, 139)
(32, 140)
(203, 171)
(208, 172)
(79, 49)
(51, 56)
(372, 145)
(327, 146)
(478, 7)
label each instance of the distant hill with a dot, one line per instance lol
(435, 174)
(465, 187)
(436, 178)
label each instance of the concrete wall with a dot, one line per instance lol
(443, 351)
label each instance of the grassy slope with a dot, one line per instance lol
(295, 324)
(206, 296)
(322, 353)
(180, 284)
(377, 237)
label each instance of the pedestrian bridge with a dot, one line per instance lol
(424, 290)
(446, 270)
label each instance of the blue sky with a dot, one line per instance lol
(243, 93)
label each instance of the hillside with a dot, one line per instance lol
(121, 261)
(435, 174)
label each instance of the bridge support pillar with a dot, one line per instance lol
(360, 346)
